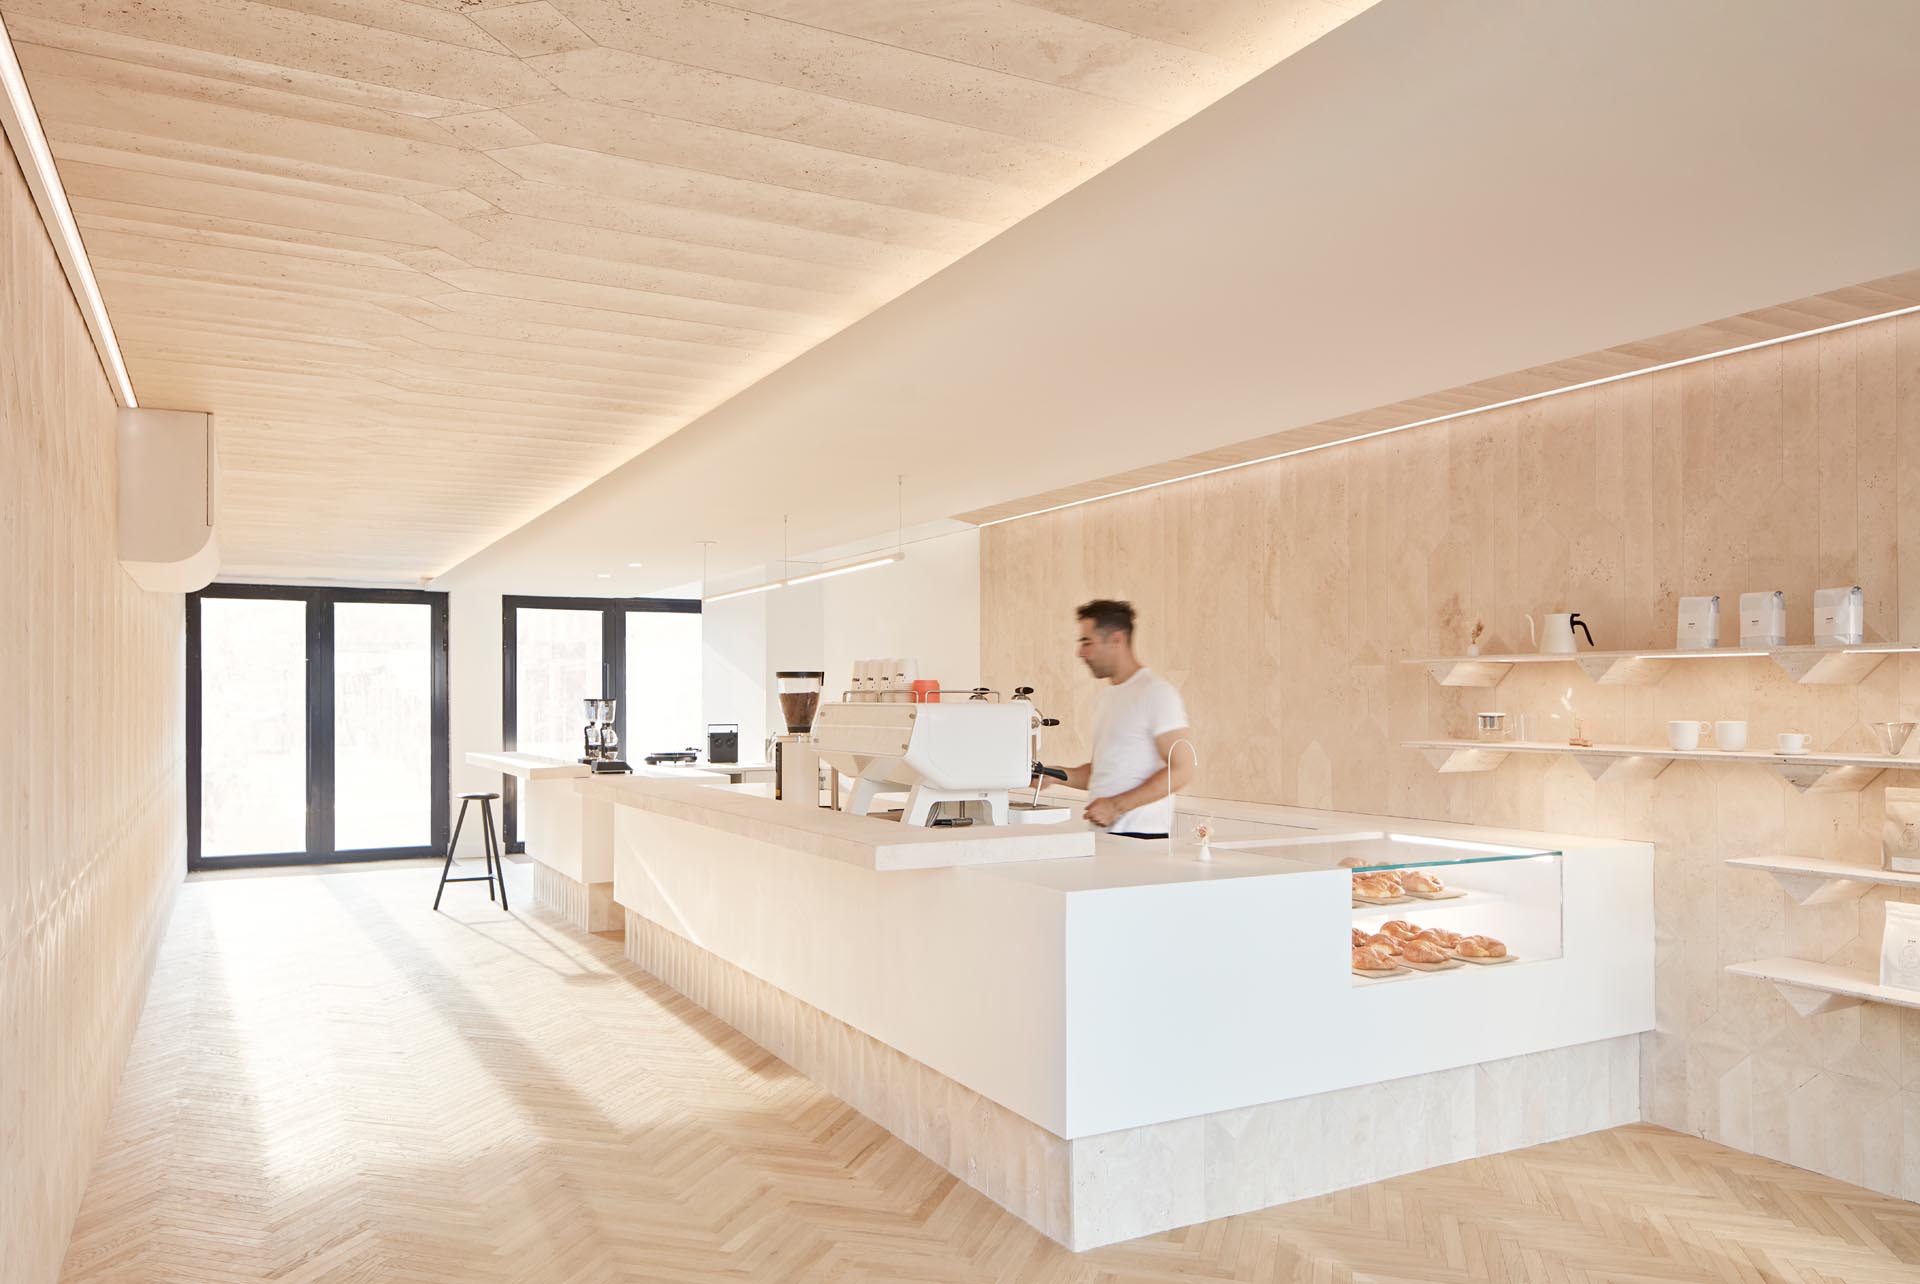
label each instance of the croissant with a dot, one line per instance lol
(1422, 952)
(1399, 927)
(1392, 879)
(1481, 947)
(1419, 880)
(1371, 961)
(1382, 942)
(1359, 938)
(1438, 936)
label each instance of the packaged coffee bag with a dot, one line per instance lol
(1900, 947)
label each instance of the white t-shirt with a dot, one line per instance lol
(1133, 714)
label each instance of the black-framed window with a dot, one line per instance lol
(316, 725)
(583, 645)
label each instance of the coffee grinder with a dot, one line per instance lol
(600, 742)
(796, 767)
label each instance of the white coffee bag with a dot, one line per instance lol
(1900, 947)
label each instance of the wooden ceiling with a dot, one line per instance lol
(436, 265)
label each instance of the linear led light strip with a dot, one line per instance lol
(1705, 653)
(808, 578)
(1459, 414)
(30, 144)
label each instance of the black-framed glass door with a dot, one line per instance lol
(558, 651)
(316, 725)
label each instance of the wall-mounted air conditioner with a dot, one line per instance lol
(168, 480)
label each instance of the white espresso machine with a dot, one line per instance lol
(966, 751)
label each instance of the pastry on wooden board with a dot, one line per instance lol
(1423, 952)
(1481, 947)
(1399, 927)
(1420, 880)
(1372, 960)
(1381, 941)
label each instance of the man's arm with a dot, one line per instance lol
(1077, 777)
(1103, 811)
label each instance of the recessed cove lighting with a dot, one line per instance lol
(606, 575)
(22, 125)
(634, 566)
(1456, 414)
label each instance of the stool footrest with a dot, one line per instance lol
(472, 878)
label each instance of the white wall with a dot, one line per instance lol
(926, 608)
(735, 672)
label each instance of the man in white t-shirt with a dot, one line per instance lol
(1134, 733)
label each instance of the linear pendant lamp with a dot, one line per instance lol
(866, 564)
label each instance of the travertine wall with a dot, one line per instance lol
(92, 826)
(1283, 597)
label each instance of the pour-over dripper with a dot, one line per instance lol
(1891, 735)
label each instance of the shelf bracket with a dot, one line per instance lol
(1611, 770)
(1624, 670)
(1831, 668)
(1824, 778)
(1818, 889)
(1468, 673)
(1448, 761)
(1809, 1002)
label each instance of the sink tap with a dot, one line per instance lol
(1173, 808)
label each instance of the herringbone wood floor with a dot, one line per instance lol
(331, 1083)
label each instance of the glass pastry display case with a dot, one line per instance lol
(1426, 906)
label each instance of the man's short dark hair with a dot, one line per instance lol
(1108, 616)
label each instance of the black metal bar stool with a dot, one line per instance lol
(489, 841)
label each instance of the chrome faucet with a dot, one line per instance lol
(1173, 809)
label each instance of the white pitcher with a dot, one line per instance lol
(1555, 635)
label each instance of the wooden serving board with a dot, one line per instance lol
(1373, 974)
(1446, 895)
(1360, 900)
(1509, 958)
(1430, 967)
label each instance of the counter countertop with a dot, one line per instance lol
(1132, 862)
(528, 766)
(838, 835)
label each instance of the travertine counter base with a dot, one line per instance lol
(588, 906)
(1121, 1185)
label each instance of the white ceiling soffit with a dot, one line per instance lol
(435, 266)
(1435, 193)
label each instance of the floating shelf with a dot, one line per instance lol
(1417, 905)
(1813, 988)
(1808, 773)
(1812, 665)
(1821, 882)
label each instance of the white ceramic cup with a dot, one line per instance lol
(1685, 735)
(1792, 742)
(1731, 736)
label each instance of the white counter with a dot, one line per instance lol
(529, 766)
(1132, 992)
(868, 842)
(569, 836)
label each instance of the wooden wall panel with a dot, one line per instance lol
(92, 825)
(1284, 596)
